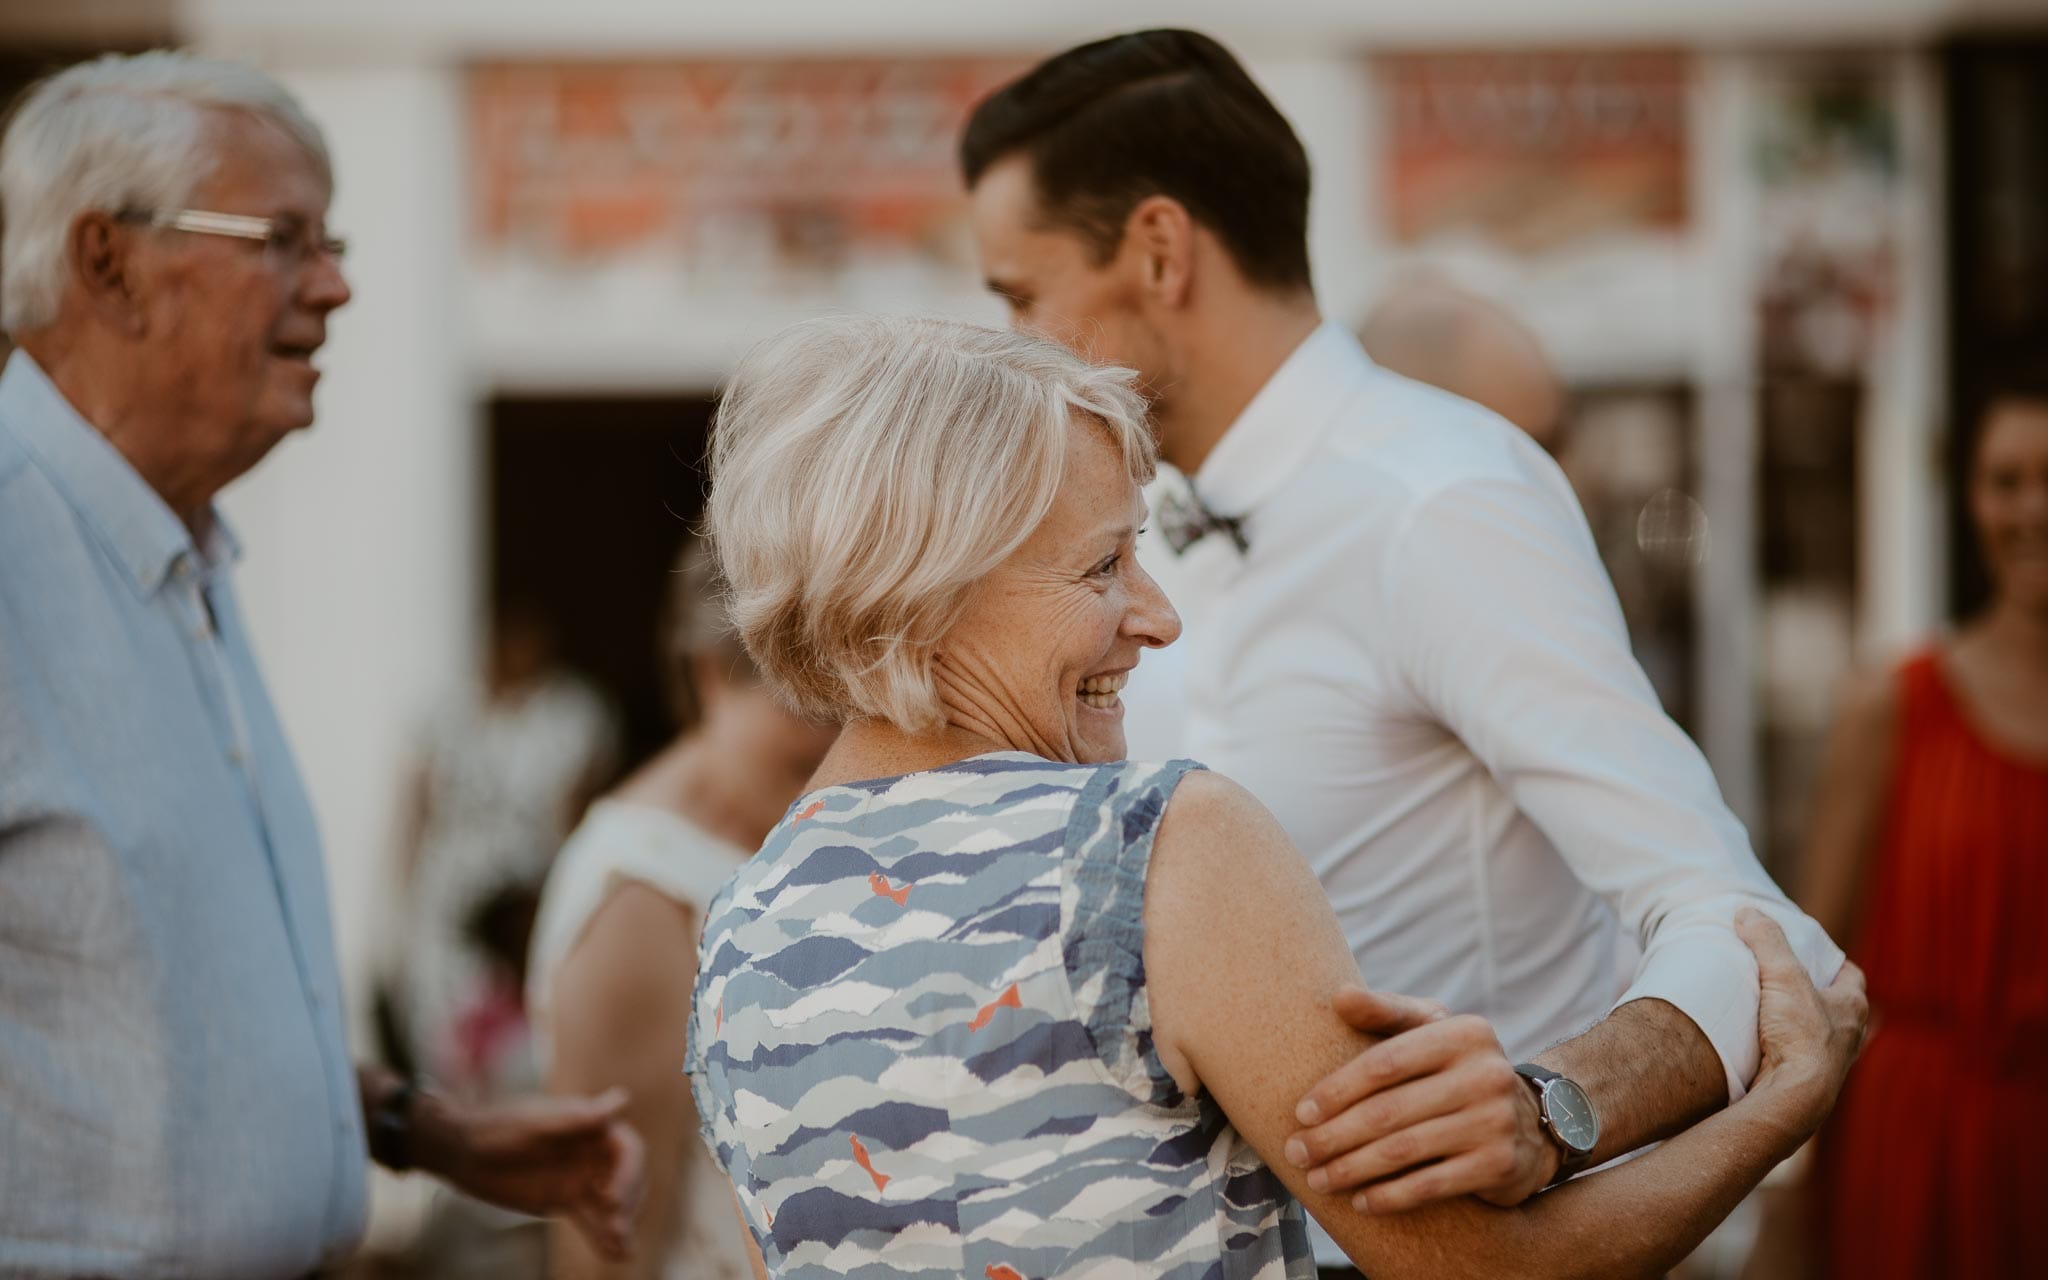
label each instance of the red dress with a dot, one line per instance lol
(1935, 1163)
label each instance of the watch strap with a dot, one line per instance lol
(388, 1127)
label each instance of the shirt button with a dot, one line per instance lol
(234, 755)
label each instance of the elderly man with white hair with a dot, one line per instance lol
(176, 1093)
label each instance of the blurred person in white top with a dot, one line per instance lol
(1399, 636)
(614, 954)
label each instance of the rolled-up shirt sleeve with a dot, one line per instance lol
(1509, 631)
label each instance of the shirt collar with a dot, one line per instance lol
(112, 498)
(1271, 439)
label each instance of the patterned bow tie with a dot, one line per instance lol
(1185, 521)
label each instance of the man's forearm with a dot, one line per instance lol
(1641, 1219)
(1650, 1071)
(1645, 1219)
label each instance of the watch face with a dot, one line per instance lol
(1571, 1115)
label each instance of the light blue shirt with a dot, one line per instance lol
(176, 1093)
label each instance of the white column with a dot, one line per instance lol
(1726, 593)
(1903, 531)
(1326, 96)
(362, 548)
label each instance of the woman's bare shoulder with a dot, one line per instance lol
(1207, 804)
(1219, 849)
(632, 961)
(1867, 704)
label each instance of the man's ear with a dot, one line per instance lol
(101, 264)
(1160, 231)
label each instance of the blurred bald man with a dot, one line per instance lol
(1432, 331)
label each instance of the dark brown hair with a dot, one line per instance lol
(2019, 381)
(1160, 112)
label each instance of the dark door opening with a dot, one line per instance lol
(590, 498)
(1998, 255)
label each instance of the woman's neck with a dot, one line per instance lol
(2016, 633)
(877, 749)
(730, 794)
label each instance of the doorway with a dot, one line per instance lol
(589, 500)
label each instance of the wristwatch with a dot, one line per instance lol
(1567, 1116)
(389, 1127)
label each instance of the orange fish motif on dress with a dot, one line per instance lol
(1002, 1271)
(718, 1017)
(1008, 1000)
(860, 1157)
(880, 884)
(809, 811)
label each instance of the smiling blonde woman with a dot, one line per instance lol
(908, 459)
(991, 1000)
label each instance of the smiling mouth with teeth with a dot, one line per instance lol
(1100, 691)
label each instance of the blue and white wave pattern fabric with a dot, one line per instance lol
(921, 1046)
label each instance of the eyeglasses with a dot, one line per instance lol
(290, 242)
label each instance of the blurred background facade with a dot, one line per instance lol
(1774, 251)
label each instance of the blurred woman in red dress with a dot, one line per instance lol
(1929, 857)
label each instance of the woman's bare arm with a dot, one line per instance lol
(754, 1259)
(1848, 805)
(619, 1016)
(1242, 956)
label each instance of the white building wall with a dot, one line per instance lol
(701, 27)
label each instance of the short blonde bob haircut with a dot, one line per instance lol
(868, 471)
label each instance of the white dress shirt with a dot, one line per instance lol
(1419, 665)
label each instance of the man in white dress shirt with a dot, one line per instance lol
(1398, 634)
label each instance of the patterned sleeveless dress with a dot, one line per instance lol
(921, 1046)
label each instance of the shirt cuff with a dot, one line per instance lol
(1709, 974)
